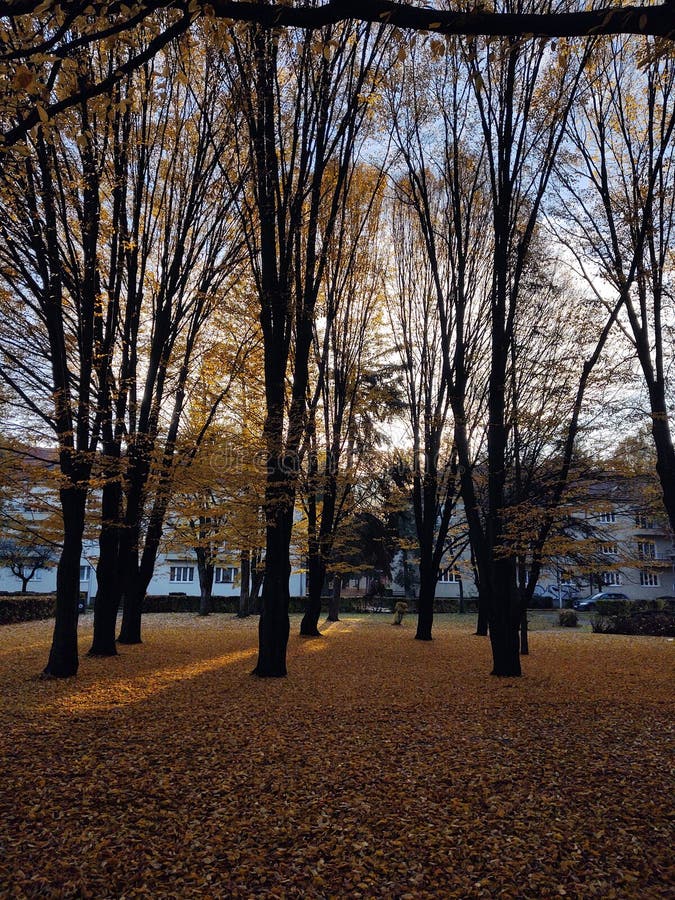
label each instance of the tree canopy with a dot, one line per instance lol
(50, 35)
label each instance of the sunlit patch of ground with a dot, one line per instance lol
(381, 767)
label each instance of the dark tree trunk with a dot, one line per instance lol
(505, 619)
(483, 619)
(316, 573)
(138, 577)
(130, 631)
(505, 647)
(425, 601)
(462, 605)
(205, 601)
(274, 627)
(151, 544)
(665, 454)
(138, 469)
(257, 580)
(334, 602)
(206, 570)
(108, 576)
(524, 641)
(106, 607)
(245, 583)
(63, 656)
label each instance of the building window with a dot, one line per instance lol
(649, 579)
(182, 574)
(610, 549)
(609, 578)
(450, 576)
(354, 582)
(608, 518)
(225, 574)
(643, 521)
(646, 550)
(84, 573)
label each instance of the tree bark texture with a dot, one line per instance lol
(334, 601)
(309, 626)
(63, 659)
(274, 626)
(130, 630)
(206, 569)
(425, 601)
(244, 583)
(108, 575)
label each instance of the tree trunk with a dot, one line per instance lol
(205, 601)
(138, 469)
(63, 656)
(504, 619)
(108, 575)
(138, 577)
(274, 626)
(483, 619)
(524, 642)
(206, 569)
(316, 573)
(462, 605)
(130, 632)
(334, 602)
(245, 584)
(505, 647)
(257, 580)
(665, 454)
(425, 602)
(106, 608)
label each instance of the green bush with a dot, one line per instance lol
(568, 618)
(667, 603)
(26, 607)
(613, 607)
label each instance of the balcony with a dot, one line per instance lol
(658, 560)
(644, 525)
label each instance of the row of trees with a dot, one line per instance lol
(252, 191)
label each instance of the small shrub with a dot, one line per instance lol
(400, 610)
(568, 618)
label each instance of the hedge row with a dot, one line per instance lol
(629, 607)
(26, 607)
(184, 603)
(656, 623)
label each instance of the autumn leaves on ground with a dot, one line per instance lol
(381, 767)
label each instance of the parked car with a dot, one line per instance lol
(589, 602)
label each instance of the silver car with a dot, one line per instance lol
(589, 602)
